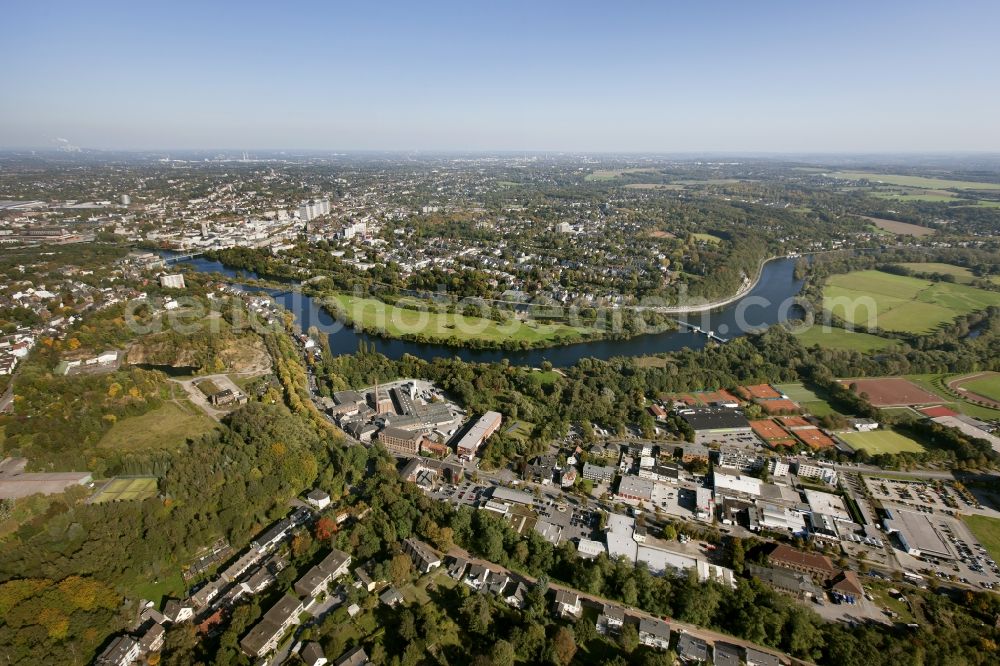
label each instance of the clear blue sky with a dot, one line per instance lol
(541, 75)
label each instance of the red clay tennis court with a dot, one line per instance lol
(934, 412)
(795, 422)
(813, 438)
(767, 430)
(778, 406)
(759, 392)
(892, 391)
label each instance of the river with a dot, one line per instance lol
(768, 303)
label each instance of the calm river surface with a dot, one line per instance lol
(769, 302)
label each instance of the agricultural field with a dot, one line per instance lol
(881, 441)
(987, 532)
(899, 303)
(839, 338)
(167, 427)
(125, 488)
(900, 228)
(915, 181)
(397, 322)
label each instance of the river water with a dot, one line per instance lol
(769, 302)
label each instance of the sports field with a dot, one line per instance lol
(124, 488)
(987, 385)
(881, 441)
(900, 303)
(987, 532)
(396, 321)
(892, 391)
(915, 181)
(838, 338)
(808, 399)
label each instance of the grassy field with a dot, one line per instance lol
(838, 338)
(519, 430)
(167, 427)
(881, 441)
(899, 228)
(960, 273)
(917, 195)
(987, 531)
(615, 174)
(708, 238)
(987, 386)
(397, 321)
(169, 584)
(901, 303)
(915, 181)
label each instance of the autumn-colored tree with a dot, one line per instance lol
(325, 528)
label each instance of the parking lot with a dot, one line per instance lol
(972, 564)
(925, 497)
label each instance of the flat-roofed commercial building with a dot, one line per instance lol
(916, 534)
(488, 423)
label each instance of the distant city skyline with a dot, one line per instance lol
(713, 77)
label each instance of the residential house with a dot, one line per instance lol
(318, 498)
(568, 604)
(391, 597)
(122, 651)
(333, 566)
(354, 657)
(424, 557)
(266, 634)
(611, 619)
(312, 654)
(654, 633)
(692, 650)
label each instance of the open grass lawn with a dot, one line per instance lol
(881, 441)
(167, 427)
(169, 584)
(519, 430)
(397, 321)
(988, 386)
(126, 488)
(915, 181)
(838, 338)
(708, 238)
(901, 303)
(987, 531)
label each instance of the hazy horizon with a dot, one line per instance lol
(903, 78)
